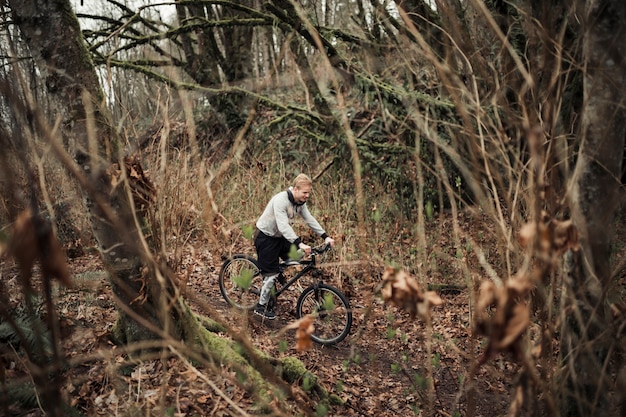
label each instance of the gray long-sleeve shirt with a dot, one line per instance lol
(278, 215)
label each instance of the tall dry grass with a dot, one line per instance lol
(489, 143)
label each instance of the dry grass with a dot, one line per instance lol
(498, 161)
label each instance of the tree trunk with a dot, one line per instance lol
(234, 59)
(54, 38)
(148, 304)
(586, 337)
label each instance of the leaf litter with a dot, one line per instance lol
(381, 369)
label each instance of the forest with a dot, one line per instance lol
(467, 158)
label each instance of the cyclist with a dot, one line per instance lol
(274, 235)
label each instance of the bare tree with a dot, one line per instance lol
(120, 200)
(86, 129)
(589, 362)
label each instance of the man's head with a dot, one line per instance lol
(302, 188)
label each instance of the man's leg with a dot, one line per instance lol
(266, 289)
(263, 308)
(268, 252)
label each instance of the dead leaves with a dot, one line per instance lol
(142, 189)
(304, 329)
(33, 239)
(549, 237)
(402, 289)
(502, 313)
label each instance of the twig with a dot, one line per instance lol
(319, 174)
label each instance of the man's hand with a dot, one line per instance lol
(305, 248)
(329, 241)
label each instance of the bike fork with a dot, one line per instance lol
(317, 294)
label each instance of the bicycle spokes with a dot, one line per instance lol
(244, 279)
(240, 282)
(328, 303)
(331, 311)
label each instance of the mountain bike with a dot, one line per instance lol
(240, 282)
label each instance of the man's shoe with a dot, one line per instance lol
(263, 311)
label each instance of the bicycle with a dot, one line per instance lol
(240, 282)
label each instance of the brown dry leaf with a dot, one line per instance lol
(432, 298)
(143, 191)
(555, 236)
(565, 236)
(33, 239)
(304, 329)
(303, 334)
(115, 173)
(53, 262)
(23, 245)
(502, 313)
(387, 290)
(132, 173)
(520, 284)
(528, 233)
(486, 296)
(515, 325)
(402, 289)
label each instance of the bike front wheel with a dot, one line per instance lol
(240, 281)
(331, 311)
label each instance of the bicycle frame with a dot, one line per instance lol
(324, 303)
(309, 265)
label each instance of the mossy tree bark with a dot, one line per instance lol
(587, 336)
(212, 50)
(53, 35)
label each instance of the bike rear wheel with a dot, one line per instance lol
(240, 281)
(332, 313)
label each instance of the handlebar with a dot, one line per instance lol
(317, 250)
(321, 249)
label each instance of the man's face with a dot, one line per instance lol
(301, 193)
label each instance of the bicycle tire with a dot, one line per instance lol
(333, 316)
(240, 281)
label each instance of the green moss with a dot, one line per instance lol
(294, 370)
(227, 353)
(211, 325)
(334, 399)
(118, 336)
(202, 332)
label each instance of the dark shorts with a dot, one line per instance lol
(269, 250)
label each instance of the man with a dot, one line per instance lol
(275, 235)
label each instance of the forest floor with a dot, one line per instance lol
(381, 369)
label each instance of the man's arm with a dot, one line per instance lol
(315, 225)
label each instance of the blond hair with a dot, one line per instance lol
(302, 180)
